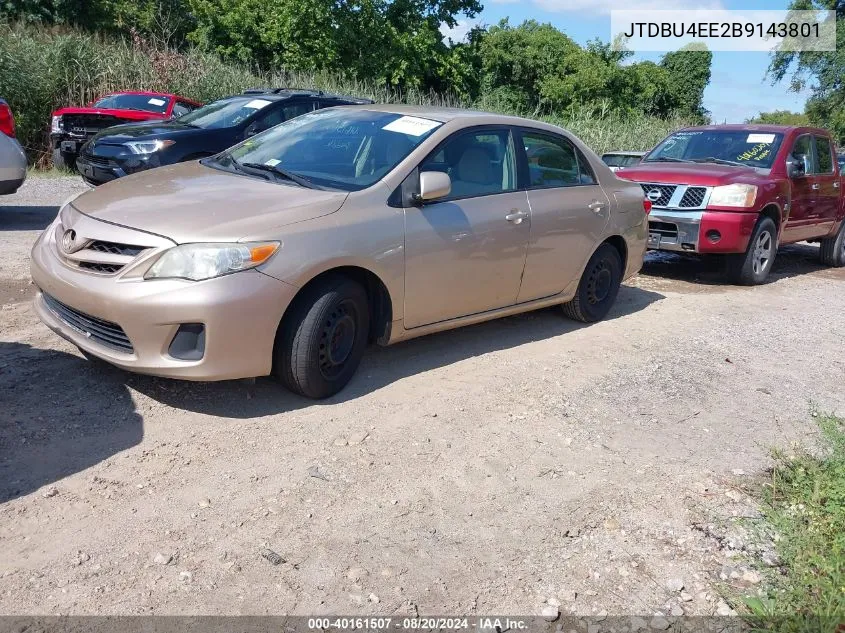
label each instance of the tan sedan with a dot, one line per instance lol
(291, 251)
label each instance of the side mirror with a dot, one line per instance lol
(433, 185)
(796, 166)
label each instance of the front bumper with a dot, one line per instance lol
(700, 231)
(240, 314)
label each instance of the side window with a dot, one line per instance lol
(295, 109)
(552, 161)
(584, 170)
(479, 163)
(180, 108)
(802, 151)
(825, 155)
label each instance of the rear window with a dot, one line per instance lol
(146, 103)
(620, 160)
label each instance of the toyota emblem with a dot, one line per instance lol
(69, 244)
(654, 195)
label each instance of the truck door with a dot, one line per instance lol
(827, 186)
(804, 189)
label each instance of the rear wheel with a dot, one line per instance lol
(322, 339)
(832, 249)
(598, 287)
(753, 266)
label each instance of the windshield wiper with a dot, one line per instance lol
(719, 161)
(289, 175)
(668, 159)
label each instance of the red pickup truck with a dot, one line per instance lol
(741, 191)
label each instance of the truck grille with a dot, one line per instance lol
(105, 333)
(666, 192)
(85, 125)
(693, 197)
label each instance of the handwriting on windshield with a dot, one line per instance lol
(759, 152)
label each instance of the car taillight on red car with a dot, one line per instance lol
(646, 205)
(7, 121)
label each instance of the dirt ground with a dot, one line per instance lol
(500, 468)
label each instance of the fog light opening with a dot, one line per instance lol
(189, 342)
(713, 236)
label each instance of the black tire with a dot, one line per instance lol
(832, 249)
(60, 160)
(598, 287)
(752, 267)
(306, 362)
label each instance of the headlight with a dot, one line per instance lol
(56, 125)
(736, 195)
(148, 147)
(204, 261)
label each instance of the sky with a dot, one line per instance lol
(738, 87)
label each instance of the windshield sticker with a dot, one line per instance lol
(257, 104)
(156, 102)
(758, 152)
(411, 125)
(760, 138)
(272, 162)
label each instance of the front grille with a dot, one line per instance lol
(115, 248)
(87, 124)
(96, 160)
(666, 192)
(105, 333)
(665, 229)
(107, 269)
(693, 197)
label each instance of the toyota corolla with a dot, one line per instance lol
(289, 252)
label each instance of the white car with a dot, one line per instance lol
(12, 157)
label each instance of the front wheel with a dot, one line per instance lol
(60, 160)
(322, 339)
(752, 267)
(598, 287)
(832, 249)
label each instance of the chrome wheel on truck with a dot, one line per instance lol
(753, 266)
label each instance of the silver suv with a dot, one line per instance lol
(12, 157)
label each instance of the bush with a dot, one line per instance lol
(43, 69)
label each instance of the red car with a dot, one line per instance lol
(71, 127)
(743, 190)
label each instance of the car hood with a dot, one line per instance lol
(131, 115)
(190, 202)
(703, 174)
(148, 130)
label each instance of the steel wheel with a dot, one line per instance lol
(337, 339)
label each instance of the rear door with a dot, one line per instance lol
(826, 185)
(569, 211)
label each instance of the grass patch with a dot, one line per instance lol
(805, 504)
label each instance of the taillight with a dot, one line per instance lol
(7, 121)
(646, 205)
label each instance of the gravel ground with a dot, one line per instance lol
(524, 464)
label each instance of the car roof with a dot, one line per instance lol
(444, 114)
(278, 94)
(625, 153)
(754, 127)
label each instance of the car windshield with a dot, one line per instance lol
(148, 103)
(728, 147)
(224, 112)
(620, 160)
(338, 148)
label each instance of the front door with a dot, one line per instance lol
(465, 253)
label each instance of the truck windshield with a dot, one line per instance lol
(727, 147)
(148, 103)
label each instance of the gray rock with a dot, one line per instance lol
(550, 613)
(751, 577)
(685, 597)
(659, 623)
(373, 598)
(675, 585)
(50, 492)
(162, 559)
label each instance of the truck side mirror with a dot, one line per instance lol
(796, 166)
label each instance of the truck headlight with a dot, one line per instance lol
(56, 125)
(204, 261)
(736, 195)
(148, 147)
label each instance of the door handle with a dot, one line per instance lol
(815, 186)
(836, 184)
(596, 206)
(516, 216)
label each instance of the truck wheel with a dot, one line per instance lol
(59, 161)
(322, 338)
(832, 249)
(598, 287)
(752, 267)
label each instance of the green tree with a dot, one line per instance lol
(823, 72)
(689, 74)
(780, 117)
